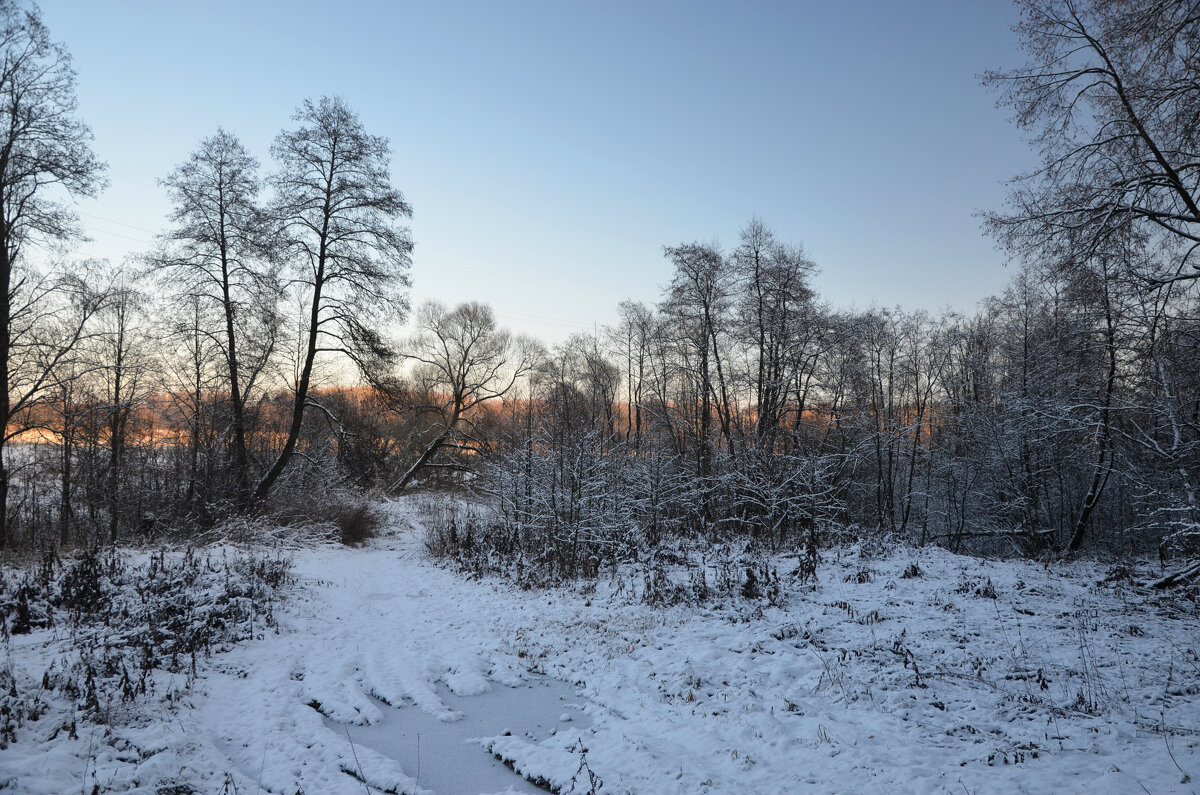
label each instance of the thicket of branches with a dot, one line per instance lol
(208, 380)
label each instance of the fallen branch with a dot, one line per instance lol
(1186, 574)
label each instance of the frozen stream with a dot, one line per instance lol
(447, 757)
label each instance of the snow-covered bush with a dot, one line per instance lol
(131, 620)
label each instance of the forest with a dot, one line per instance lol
(249, 363)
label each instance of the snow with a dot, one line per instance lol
(447, 755)
(974, 676)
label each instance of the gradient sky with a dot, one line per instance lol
(550, 149)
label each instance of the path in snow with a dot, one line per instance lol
(824, 695)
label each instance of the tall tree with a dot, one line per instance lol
(339, 215)
(43, 147)
(776, 303)
(631, 339)
(1110, 97)
(123, 363)
(219, 252)
(699, 299)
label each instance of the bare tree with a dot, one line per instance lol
(65, 411)
(775, 313)
(44, 151)
(461, 362)
(50, 339)
(699, 300)
(339, 214)
(1110, 96)
(123, 364)
(632, 339)
(190, 373)
(219, 253)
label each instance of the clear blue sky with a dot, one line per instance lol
(551, 149)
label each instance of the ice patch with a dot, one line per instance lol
(451, 756)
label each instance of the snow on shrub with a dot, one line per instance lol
(127, 621)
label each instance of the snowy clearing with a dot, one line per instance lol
(915, 671)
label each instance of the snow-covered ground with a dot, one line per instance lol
(914, 671)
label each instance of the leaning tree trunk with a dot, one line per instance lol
(430, 449)
(289, 447)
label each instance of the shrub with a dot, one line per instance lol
(129, 621)
(356, 523)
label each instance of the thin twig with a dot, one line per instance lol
(358, 765)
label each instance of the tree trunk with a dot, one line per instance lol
(289, 447)
(64, 510)
(1103, 465)
(421, 461)
(115, 443)
(5, 406)
(241, 463)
